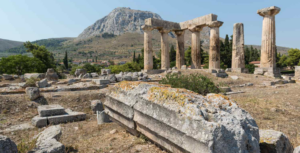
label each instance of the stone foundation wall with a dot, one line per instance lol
(180, 120)
(297, 73)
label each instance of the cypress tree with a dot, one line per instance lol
(66, 60)
(134, 60)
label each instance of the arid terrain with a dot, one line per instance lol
(273, 107)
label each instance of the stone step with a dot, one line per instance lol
(69, 116)
(50, 110)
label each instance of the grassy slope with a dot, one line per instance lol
(7, 44)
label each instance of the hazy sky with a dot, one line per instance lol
(24, 20)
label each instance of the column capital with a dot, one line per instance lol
(147, 28)
(179, 32)
(214, 24)
(269, 11)
(163, 31)
(195, 28)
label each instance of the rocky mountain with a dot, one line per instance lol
(7, 44)
(119, 21)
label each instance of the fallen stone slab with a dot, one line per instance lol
(101, 81)
(225, 89)
(7, 77)
(274, 142)
(24, 126)
(269, 83)
(7, 146)
(39, 122)
(34, 75)
(42, 84)
(236, 92)
(69, 117)
(50, 110)
(181, 120)
(297, 150)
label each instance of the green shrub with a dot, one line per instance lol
(194, 82)
(128, 67)
(31, 82)
(250, 67)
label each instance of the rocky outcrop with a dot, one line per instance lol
(119, 21)
(7, 146)
(181, 120)
(274, 142)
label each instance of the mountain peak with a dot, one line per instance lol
(119, 21)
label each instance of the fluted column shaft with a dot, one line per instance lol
(180, 49)
(268, 42)
(148, 52)
(214, 45)
(165, 55)
(196, 58)
(238, 53)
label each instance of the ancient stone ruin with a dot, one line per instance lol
(195, 26)
(182, 121)
(238, 53)
(268, 43)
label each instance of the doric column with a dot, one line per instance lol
(196, 57)
(148, 52)
(238, 53)
(165, 55)
(180, 48)
(268, 43)
(214, 45)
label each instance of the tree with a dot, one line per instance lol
(96, 58)
(293, 57)
(187, 56)
(172, 56)
(133, 59)
(226, 52)
(41, 53)
(66, 61)
(20, 64)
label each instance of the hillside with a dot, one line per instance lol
(7, 44)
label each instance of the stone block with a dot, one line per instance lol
(274, 142)
(259, 71)
(297, 150)
(211, 123)
(127, 78)
(79, 72)
(105, 71)
(7, 77)
(102, 117)
(220, 75)
(96, 105)
(183, 67)
(234, 77)
(7, 145)
(32, 92)
(50, 110)
(39, 122)
(269, 83)
(42, 84)
(119, 117)
(34, 75)
(70, 117)
(297, 72)
(101, 81)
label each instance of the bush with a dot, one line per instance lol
(250, 67)
(128, 67)
(194, 82)
(31, 82)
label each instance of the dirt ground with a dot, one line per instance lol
(273, 107)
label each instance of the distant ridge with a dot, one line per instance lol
(7, 44)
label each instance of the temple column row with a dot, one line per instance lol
(214, 58)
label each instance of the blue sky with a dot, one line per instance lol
(24, 20)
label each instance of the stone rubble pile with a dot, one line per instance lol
(55, 114)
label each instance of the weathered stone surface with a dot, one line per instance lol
(180, 48)
(96, 105)
(39, 122)
(105, 71)
(70, 81)
(94, 75)
(183, 67)
(7, 146)
(199, 21)
(165, 55)
(7, 77)
(79, 72)
(50, 110)
(234, 77)
(269, 83)
(34, 75)
(32, 92)
(69, 117)
(297, 150)
(127, 78)
(214, 45)
(101, 81)
(51, 75)
(86, 76)
(192, 122)
(238, 53)
(297, 72)
(47, 141)
(196, 56)
(102, 117)
(42, 84)
(225, 89)
(274, 142)
(148, 52)
(228, 70)
(268, 43)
